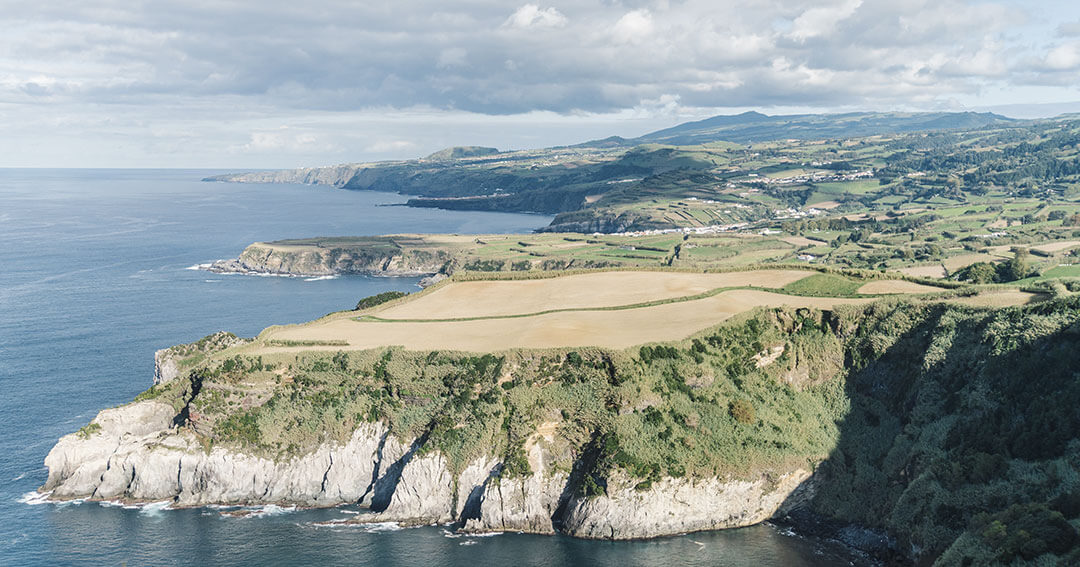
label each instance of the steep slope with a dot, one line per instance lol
(952, 430)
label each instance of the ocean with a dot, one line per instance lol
(97, 271)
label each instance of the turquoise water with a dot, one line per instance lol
(94, 276)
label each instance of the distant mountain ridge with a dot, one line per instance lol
(459, 152)
(617, 184)
(757, 127)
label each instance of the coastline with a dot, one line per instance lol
(136, 455)
(235, 266)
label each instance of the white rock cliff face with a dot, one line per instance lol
(678, 506)
(135, 453)
(260, 258)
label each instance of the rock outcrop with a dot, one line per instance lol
(314, 261)
(336, 176)
(138, 453)
(589, 221)
(167, 361)
(678, 506)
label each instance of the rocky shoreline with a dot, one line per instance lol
(383, 259)
(145, 452)
(150, 451)
(237, 266)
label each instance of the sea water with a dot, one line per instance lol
(98, 269)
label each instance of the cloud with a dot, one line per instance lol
(232, 65)
(452, 57)
(819, 21)
(284, 139)
(633, 27)
(1069, 29)
(1063, 57)
(390, 146)
(532, 16)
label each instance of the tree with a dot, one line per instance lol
(1017, 268)
(979, 273)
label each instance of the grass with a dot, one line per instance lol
(824, 285)
(1070, 271)
(88, 430)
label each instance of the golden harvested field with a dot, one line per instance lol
(928, 271)
(801, 241)
(933, 270)
(952, 263)
(612, 329)
(602, 289)
(956, 262)
(1010, 298)
(896, 286)
(1056, 246)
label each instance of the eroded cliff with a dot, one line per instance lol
(381, 257)
(952, 429)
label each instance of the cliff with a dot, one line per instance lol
(336, 176)
(604, 221)
(537, 441)
(380, 256)
(953, 430)
(137, 453)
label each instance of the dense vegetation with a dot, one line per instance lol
(379, 299)
(953, 429)
(703, 408)
(962, 434)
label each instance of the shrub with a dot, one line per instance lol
(979, 273)
(151, 393)
(1027, 531)
(515, 463)
(742, 411)
(651, 353)
(379, 299)
(485, 265)
(239, 427)
(87, 430)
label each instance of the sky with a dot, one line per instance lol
(281, 84)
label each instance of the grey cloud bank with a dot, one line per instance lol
(275, 84)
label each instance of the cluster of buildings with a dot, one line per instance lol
(711, 229)
(790, 213)
(813, 178)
